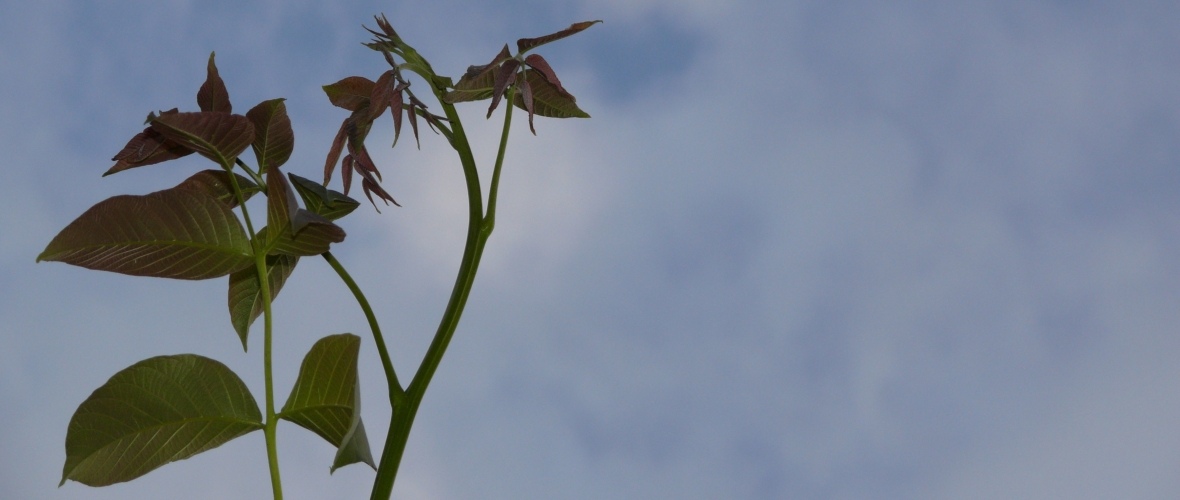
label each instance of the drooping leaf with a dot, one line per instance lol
(147, 148)
(157, 411)
(221, 137)
(351, 93)
(309, 234)
(326, 398)
(273, 138)
(548, 100)
(216, 183)
(181, 233)
(321, 200)
(245, 291)
(479, 81)
(526, 97)
(213, 95)
(334, 152)
(526, 44)
(504, 77)
(382, 94)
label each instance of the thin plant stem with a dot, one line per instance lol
(271, 424)
(395, 388)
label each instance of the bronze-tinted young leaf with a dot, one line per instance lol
(213, 96)
(326, 398)
(180, 233)
(479, 81)
(334, 152)
(526, 97)
(221, 137)
(539, 63)
(281, 205)
(157, 411)
(216, 183)
(351, 93)
(526, 44)
(395, 107)
(321, 200)
(548, 100)
(505, 76)
(146, 148)
(245, 291)
(382, 95)
(273, 138)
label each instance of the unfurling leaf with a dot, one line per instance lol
(213, 96)
(479, 81)
(526, 44)
(505, 76)
(221, 137)
(326, 398)
(321, 200)
(217, 184)
(245, 291)
(273, 138)
(183, 232)
(157, 411)
(334, 152)
(351, 93)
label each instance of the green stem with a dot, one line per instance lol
(395, 387)
(271, 424)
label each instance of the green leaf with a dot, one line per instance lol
(273, 138)
(216, 183)
(326, 398)
(212, 95)
(245, 291)
(526, 44)
(182, 232)
(221, 137)
(351, 93)
(157, 411)
(479, 82)
(549, 99)
(321, 200)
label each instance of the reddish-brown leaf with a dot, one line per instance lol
(281, 205)
(146, 148)
(527, 44)
(217, 184)
(548, 100)
(334, 152)
(351, 93)
(221, 137)
(346, 173)
(505, 76)
(539, 63)
(382, 95)
(273, 138)
(526, 96)
(213, 95)
(395, 107)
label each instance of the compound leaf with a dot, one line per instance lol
(157, 411)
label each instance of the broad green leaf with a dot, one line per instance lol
(212, 95)
(273, 138)
(321, 200)
(221, 137)
(526, 44)
(157, 411)
(245, 291)
(216, 183)
(479, 81)
(351, 93)
(326, 398)
(181, 233)
(548, 99)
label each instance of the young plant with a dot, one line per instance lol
(169, 408)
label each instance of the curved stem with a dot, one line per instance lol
(395, 388)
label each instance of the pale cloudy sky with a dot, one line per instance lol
(803, 249)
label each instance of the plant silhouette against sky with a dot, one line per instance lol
(168, 408)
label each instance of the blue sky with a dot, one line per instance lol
(803, 249)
